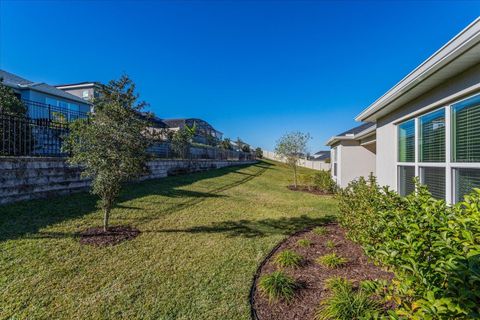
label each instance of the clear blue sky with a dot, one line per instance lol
(253, 69)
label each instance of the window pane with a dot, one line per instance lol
(465, 181)
(406, 141)
(432, 137)
(466, 130)
(406, 184)
(434, 179)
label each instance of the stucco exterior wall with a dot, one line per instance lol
(456, 88)
(353, 161)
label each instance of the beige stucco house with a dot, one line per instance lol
(428, 124)
(353, 154)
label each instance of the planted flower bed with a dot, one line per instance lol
(306, 270)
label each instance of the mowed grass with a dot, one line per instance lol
(203, 236)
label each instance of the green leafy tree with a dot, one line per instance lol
(16, 135)
(111, 144)
(291, 147)
(239, 144)
(182, 140)
(259, 153)
(246, 148)
(9, 103)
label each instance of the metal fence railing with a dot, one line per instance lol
(38, 110)
(23, 136)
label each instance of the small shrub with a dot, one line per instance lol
(288, 258)
(306, 180)
(319, 230)
(323, 181)
(304, 243)
(331, 260)
(277, 286)
(347, 303)
(330, 244)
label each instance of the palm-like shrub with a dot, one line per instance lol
(277, 286)
(288, 258)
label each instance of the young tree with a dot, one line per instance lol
(291, 147)
(111, 144)
(182, 140)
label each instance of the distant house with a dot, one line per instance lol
(321, 156)
(353, 154)
(85, 90)
(45, 101)
(205, 132)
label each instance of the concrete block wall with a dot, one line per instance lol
(23, 178)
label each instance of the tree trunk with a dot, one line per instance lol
(295, 177)
(106, 217)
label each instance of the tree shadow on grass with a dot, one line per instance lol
(28, 217)
(255, 228)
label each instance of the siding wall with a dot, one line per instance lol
(30, 178)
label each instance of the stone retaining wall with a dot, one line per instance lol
(31, 178)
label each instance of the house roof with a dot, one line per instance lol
(322, 155)
(359, 132)
(456, 56)
(77, 85)
(17, 82)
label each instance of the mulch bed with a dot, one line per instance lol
(312, 276)
(309, 190)
(115, 235)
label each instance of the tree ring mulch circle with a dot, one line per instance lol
(98, 237)
(312, 275)
(309, 190)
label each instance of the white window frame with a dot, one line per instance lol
(449, 165)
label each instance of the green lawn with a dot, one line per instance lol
(203, 236)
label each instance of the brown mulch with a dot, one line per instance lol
(115, 235)
(312, 276)
(309, 190)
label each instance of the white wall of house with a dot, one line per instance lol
(456, 88)
(353, 161)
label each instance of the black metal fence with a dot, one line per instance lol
(42, 137)
(22, 136)
(37, 110)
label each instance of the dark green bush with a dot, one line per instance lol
(433, 248)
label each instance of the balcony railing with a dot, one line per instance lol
(38, 110)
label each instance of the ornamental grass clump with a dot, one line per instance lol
(304, 243)
(319, 230)
(331, 260)
(288, 258)
(347, 302)
(330, 244)
(277, 286)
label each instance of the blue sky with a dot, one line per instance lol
(253, 69)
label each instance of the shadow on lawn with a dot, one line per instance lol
(20, 219)
(256, 228)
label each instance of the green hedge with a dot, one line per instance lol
(433, 248)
